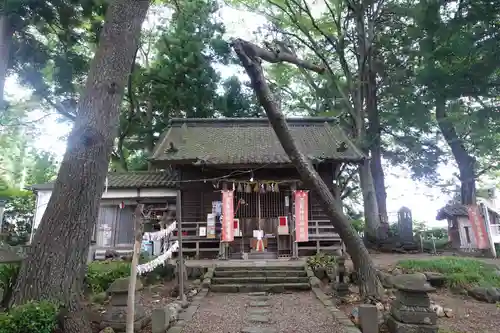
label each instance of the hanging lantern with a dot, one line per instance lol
(269, 187)
(248, 188)
(256, 188)
(239, 188)
(276, 188)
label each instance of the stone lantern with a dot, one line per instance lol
(116, 313)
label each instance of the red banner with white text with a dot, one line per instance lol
(301, 216)
(227, 215)
(478, 227)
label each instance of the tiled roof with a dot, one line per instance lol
(134, 179)
(251, 141)
(450, 211)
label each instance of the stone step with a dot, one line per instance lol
(262, 255)
(259, 279)
(270, 287)
(246, 272)
(261, 267)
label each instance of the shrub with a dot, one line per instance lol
(8, 277)
(161, 273)
(100, 274)
(321, 260)
(459, 272)
(32, 317)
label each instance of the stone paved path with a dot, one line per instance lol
(297, 312)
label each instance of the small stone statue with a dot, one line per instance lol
(342, 288)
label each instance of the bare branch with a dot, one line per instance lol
(276, 56)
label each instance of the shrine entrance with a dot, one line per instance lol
(257, 216)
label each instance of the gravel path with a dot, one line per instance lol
(287, 313)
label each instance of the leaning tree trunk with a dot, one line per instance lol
(56, 263)
(466, 163)
(250, 56)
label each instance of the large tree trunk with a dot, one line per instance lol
(466, 162)
(372, 175)
(374, 135)
(149, 131)
(370, 207)
(249, 56)
(56, 263)
(5, 44)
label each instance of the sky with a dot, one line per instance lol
(401, 190)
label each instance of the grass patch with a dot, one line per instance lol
(459, 272)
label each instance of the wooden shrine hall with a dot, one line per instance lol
(236, 184)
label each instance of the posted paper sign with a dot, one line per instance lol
(211, 226)
(227, 216)
(301, 216)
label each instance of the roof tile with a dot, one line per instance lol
(251, 141)
(135, 179)
(450, 211)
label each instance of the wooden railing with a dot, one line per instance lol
(322, 230)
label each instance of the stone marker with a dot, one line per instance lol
(257, 311)
(116, 313)
(252, 329)
(159, 320)
(405, 224)
(258, 293)
(368, 318)
(411, 310)
(259, 304)
(259, 318)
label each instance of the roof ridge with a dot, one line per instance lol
(136, 172)
(309, 119)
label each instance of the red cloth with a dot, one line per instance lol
(283, 220)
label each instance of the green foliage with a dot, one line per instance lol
(8, 277)
(176, 75)
(32, 317)
(438, 233)
(46, 48)
(100, 274)
(358, 224)
(160, 273)
(18, 216)
(459, 272)
(321, 260)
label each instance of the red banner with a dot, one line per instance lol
(301, 216)
(478, 228)
(227, 216)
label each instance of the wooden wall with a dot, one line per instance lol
(197, 196)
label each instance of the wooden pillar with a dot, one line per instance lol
(180, 257)
(295, 246)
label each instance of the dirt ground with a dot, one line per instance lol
(469, 315)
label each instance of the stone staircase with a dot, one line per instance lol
(259, 278)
